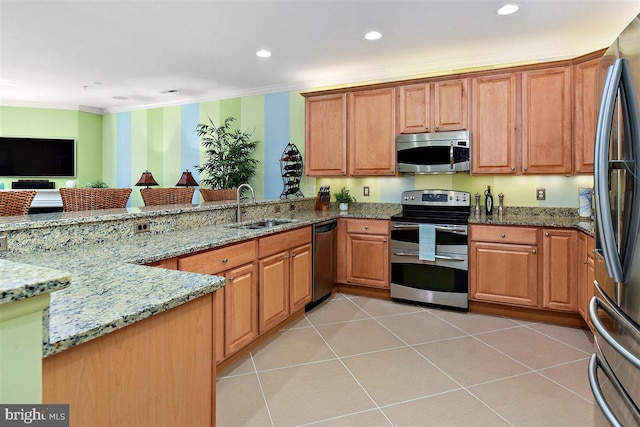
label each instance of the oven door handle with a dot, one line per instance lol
(447, 228)
(442, 257)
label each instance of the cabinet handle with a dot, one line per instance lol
(437, 128)
(526, 169)
(384, 241)
(343, 172)
(503, 235)
(533, 251)
(426, 127)
(293, 255)
(286, 257)
(231, 279)
(513, 168)
(366, 227)
(546, 234)
(586, 262)
(225, 260)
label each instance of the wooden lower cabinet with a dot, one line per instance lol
(363, 252)
(218, 324)
(504, 273)
(158, 371)
(240, 307)
(559, 269)
(285, 269)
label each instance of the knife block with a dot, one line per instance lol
(320, 205)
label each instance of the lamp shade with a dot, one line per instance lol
(146, 180)
(187, 180)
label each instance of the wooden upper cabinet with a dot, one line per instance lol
(372, 132)
(446, 110)
(493, 128)
(451, 105)
(326, 135)
(414, 108)
(586, 101)
(546, 121)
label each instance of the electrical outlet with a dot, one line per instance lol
(3, 244)
(292, 207)
(141, 227)
(541, 193)
(365, 191)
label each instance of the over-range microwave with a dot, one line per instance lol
(438, 152)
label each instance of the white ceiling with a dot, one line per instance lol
(80, 54)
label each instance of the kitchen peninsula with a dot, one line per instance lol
(152, 320)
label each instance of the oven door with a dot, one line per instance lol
(442, 282)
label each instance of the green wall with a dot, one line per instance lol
(85, 128)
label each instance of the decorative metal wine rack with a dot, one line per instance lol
(291, 171)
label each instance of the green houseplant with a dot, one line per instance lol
(344, 198)
(228, 160)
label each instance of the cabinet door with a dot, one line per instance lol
(585, 114)
(585, 275)
(546, 121)
(372, 131)
(559, 267)
(300, 285)
(241, 307)
(414, 108)
(451, 105)
(326, 135)
(493, 127)
(368, 260)
(274, 290)
(504, 273)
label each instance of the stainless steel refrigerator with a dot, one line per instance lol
(614, 368)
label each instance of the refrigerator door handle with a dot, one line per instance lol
(600, 328)
(594, 364)
(604, 220)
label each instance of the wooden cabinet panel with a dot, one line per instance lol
(301, 281)
(219, 324)
(504, 234)
(326, 135)
(241, 307)
(169, 264)
(372, 132)
(216, 261)
(504, 273)
(368, 260)
(559, 267)
(586, 101)
(158, 371)
(586, 275)
(414, 108)
(451, 105)
(494, 121)
(546, 121)
(283, 241)
(274, 290)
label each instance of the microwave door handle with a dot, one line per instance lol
(632, 139)
(451, 155)
(604, 220)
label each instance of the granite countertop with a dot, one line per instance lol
(110, 288)
(22, 281)
(536, 218)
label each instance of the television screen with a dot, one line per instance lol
(35, 157)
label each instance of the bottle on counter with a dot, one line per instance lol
(477, 208)
(488, 201)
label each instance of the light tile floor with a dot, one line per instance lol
(356, 361)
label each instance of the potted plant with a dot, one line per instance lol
(344, 198)
(228, 160)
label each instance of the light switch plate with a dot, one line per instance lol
(541, 193)
(365, 191)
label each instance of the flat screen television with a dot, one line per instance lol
(37, 157)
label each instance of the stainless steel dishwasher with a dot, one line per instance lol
(325, 238)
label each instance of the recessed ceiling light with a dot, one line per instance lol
(263, 53)
(372, 35)
(119, 97)
(508, 9)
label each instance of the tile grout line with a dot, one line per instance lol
(438, 368)
(556, 339)
(264, 397)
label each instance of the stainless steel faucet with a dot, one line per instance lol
(238, 191)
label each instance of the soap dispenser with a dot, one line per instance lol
(488, 201)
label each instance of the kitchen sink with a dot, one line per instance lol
(263, 223)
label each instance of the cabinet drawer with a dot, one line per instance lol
(216, 261)
(283, 241)
(367, 226)
(500, 234)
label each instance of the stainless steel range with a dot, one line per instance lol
(429, 248)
